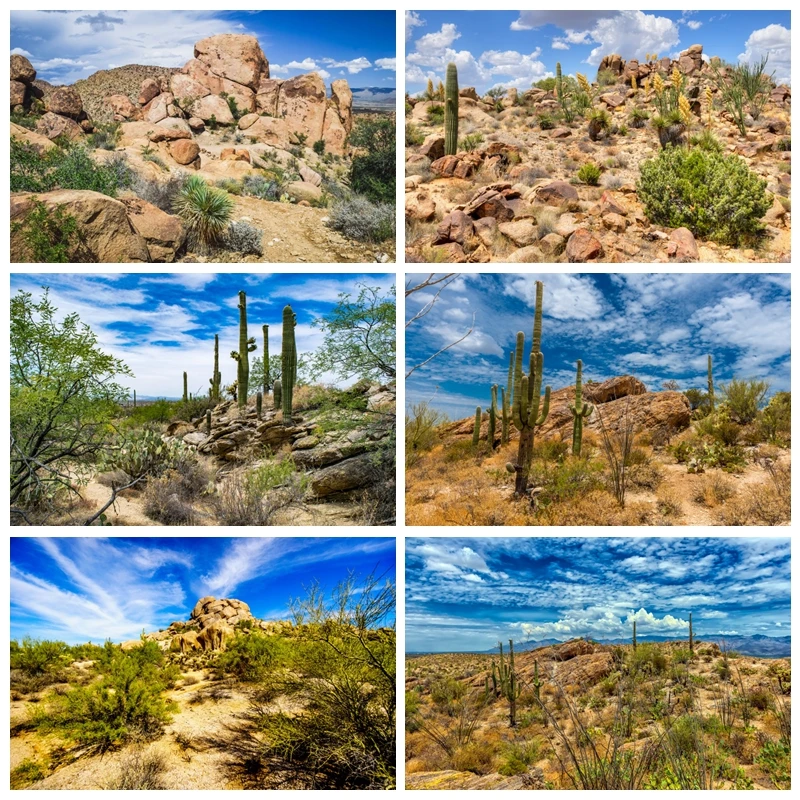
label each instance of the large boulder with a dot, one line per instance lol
(163, 233)
(121, 107)
(301, 104)
(582, 247)
(334, 133)
(18, 90)
(65, 101)
(107, 235)
(212, 106)
(267, 96)
(269, 130)
(301, 190)
(37, 140)
(186, 90)
(342, 99)
(555, 193)
(235, 57)
(184, 151)
(353, 473)
(54, 125)
(158, 108)
(22, 70)
(148, 90)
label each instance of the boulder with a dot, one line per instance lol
(582, 246)
(420, 206)
(612, 203)
(333, 132)
(560, 133)
(682, 246)
(267, 96)
(469, 92)
(22, 70)
(433, 147)
(163, 133)
(585, 670)
(234, 154)
(342, 99)
(196, 124)
(270, 130)
(244, 97)
(353, 473)
(65, 101)
(41, 143)
(212, 106)
(18, 90)
(163, 233)
(53, 125)
(523, 232)
(309, 176)
(455, 227)
(489, 203)
(148, 90)
(184, 151)
(247, 120)
(552, 245)
(301, 104)
(612, 100)
(235, 57)
(158, 108)
(615, 222)
(186, 90)
(555, 193)
(613, 389)
(121, 106)
(107, 235)
(301, 190)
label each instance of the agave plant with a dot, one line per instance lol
(205, 210)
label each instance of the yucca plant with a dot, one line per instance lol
(205, 210)
(599, 121)
(638, 117)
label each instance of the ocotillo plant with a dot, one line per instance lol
(579, 411)
(506, 400)
(288, 362)
(710, 385)
(451, 111)
(242, 357)
(185, 388)
(504, 678)
(476, 430)
(265, 389)
(561, 95)
(259, 401)
(493, 417)
(634, 634)
(216, 379)
(691, 635)
(527, 398)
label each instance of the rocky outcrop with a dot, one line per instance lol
(22, 89)
(164, 234)
(210, 610)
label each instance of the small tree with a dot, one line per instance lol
(373, 170)
(744, 398)
(359, 337)
(64, 396)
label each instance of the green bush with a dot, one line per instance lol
(28, 771)
(242, 237)
(471, 141)
(648, 657)
(421, 433)
(63, 168)
(744, 398)
(607, 77)
(318, 147)
(589, 174)
(414, 136)
(250, 658)
(363, 220)
(51, 234)
(436, 115)
(144, 452)
(373, 168)
(638, 117)
(706, 141)
(205, 210)
(105, 135)
(546, 121)
(546, 84)
(518, 756)
(38, 657)
(775, 421)
(715, 196)
(565, 481)
(265, 188)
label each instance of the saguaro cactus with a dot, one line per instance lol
(493, 417)
(537, 684)
(506, 400)
(259, 402)
(185, 388)
(634, 634)
(579, 411)
(451, 111)
(208, 421)
(265, 388)
(562, 97)
(242, 357)
(691, 635)
(216, 380)
(476, 431)
(277, 396)
(506, 683)
(288, 362)
(527, 397)
(710, 384)
(134, 398)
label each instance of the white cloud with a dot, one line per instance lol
(568, 296)
(694, 25)
(633, 34)
(386, 63)
(307, 64)
(19, 51)
(434, 43)
(773, 41)
(413, 20)
(353, 66)
(559, 45)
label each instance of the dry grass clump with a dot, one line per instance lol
(140, 770)
(765, 504)
(713, 489)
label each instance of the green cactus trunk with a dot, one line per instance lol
(259, 402)
(265, 389)
(710, 385)
(288, 363)
(208, 421)
(579, 411)
(493, 417)
(216, 380)
(506, 683)
(634, 634)
(277, 396)
(537, 684)
(527, 397)
(246, 346)
(134, 398)
(506, 401)
(476, 431)
(691, 635)
(451, 111)
(185, 388)
(561, 95)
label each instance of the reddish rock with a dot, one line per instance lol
(236, 57)
(489, 203)
(148, 90)
(433, 147)
(612, 100)
(450, 253)
(455, 227)
(585, 670)
(53, 125)
(184, 151)
(615, 222)
(22, 70)
(555, 193)
(582, 247)
(560, 133)
(163, 233)
(485, 230)
(65, 101)
(447, 166)
(685, 245)
(232, 154)
(247, 121)
(121, 106)
(186, 90)
(212, 106)
(614, 389)
(610, 203)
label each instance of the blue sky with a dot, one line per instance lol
(517, 48)
(81, 589)
(163, 324)
(64, 46)
(657, 326)
(468, 594)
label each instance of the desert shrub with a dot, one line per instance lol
(715, 196)
(546, 221)
(712, 490)
(648, 657)
(552, 450)
(233, 106)
(647, 475)
(477, 757)
(62, 168)
(599, 122)
(167, 498)
(251, 658)
(36, 657)
(775, 759)
(264, 188)
(144, 452)
(105, 135)
(774, 424)
(149, 153)
(706, 141)
(435, 115)
(229, 185)
(564, 481)
(258, 496)
(27, 772)
(744, 398)
(140, 770)
(589, 173)
(126, 703)
(420, 430)
(373, 170)
(470, 141)
(414, 136)
(546, 120)
(607, 77)
(242, 237)
(51, 234)
(638, 117)
(161, 193)
(205, 210)
(518, 756)
(360, 219)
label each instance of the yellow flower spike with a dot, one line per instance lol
(633, 82)
(685, 108)
(677, 79)
(658, 84)
(584, 84)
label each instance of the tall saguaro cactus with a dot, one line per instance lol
(493, 417)
(288, 362)
(634, 634)
(451, 111)
(476, 430)
(579, 411)
(185, 388)
(265, 387)
(242, 357)
(710, 384)
(216, 380)
(561, 96)
(506, 683)
(527, 400)
(506, 400)
(691, 635)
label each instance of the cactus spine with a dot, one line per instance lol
(259, 403)
(691, 635)
(185, 388)
(504, 678)
(710, 385)
(579, 411)
(288, 363)
(476, 431)
(527, 397)
(265, 388)
(451, 111)
(493, 417)
(246, 346)
(216, 380)
(634, 634)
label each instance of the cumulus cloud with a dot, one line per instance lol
(100, 22)
(529, 20)
(694, 25)
(353, 66)
(633, 34)
(413, 20)
(386, 63)
(773, 41)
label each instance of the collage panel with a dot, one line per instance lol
(203, 399)
(598, 136)
(598, 663)
(598, 399)
(203, 663)
(254, 136)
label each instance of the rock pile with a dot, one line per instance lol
(209, 610)
(23, 91)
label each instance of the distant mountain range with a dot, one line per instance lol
(375, 98)
(757, 645)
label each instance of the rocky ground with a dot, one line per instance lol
(580, 682)
(512, 194)
(454, 485)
